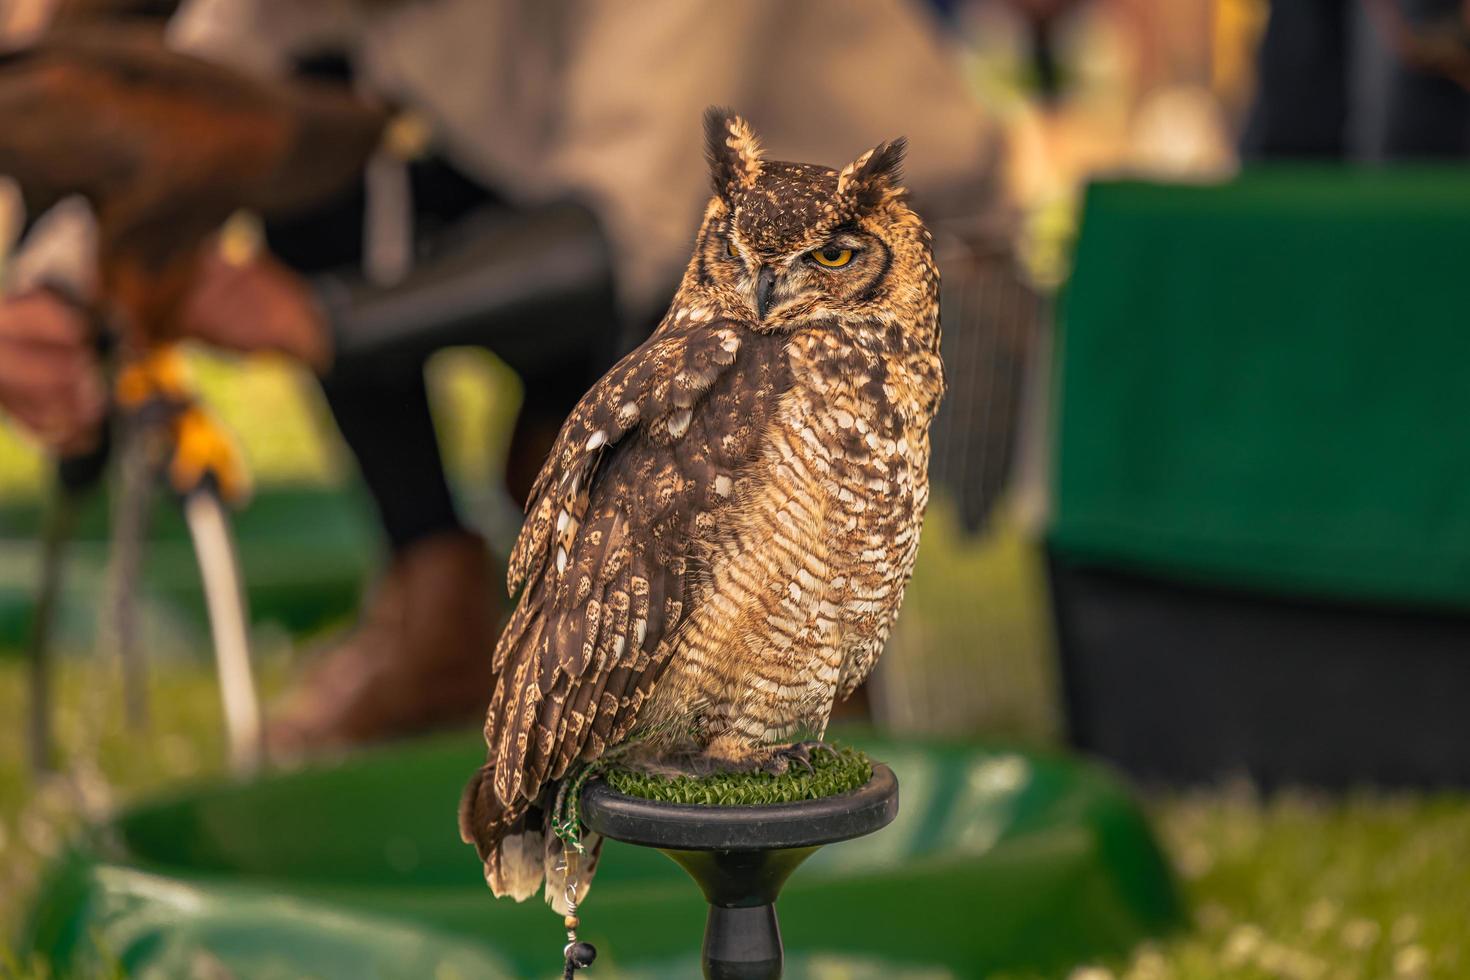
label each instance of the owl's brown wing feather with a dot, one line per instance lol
(607, 561)
(669, 373)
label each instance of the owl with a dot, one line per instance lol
(721, 535)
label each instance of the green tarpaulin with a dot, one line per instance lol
(997, 860)
(1266, 383)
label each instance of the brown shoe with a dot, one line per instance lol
(418, 661)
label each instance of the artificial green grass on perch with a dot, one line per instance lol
(839, 771)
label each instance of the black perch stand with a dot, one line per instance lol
(740, 856)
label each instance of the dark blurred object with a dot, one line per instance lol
(1260, 511)
(530, 283)
(1301, 105)
(1044, 59)
(1311, 60)
(533, 284)
(1187, 684)
(76, 476)
(1433, 37)
(990, 316)
(70, 12)
(1042, 17)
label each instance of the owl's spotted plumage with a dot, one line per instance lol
(720, 539)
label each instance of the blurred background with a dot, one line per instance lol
(1202, 505)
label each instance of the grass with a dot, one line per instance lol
(1297, 886)
(1310, 887)
(104, 762)
(839, 771)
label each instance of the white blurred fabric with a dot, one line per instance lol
(601, 99)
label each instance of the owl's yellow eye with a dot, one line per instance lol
(730, 248)
(832, 258)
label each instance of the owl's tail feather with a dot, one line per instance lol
(516, 868)
(519, 848)
(508, 842)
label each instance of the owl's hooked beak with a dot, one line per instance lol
(765, 285)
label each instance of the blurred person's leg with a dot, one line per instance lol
(1428, 114)
(386, 421)
(418, 658)
(1301, 105)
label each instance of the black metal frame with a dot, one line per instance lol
(1186, 683)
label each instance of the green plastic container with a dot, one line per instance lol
(999, 859)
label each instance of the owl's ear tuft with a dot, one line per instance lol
(874, 175)
(733, 150)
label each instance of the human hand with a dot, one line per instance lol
(255, 304)
(50, 379)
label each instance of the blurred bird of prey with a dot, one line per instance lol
(165, 147)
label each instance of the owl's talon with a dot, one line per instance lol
(196, 447)
(797, 752)
(203, 449)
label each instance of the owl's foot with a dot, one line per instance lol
(774, 760)
(726, 756)
(782, 757)
(673, 764)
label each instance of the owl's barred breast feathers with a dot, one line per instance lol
(721, 535)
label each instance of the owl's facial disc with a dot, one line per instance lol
(822, 273)
(790, 246)
(840, 270)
